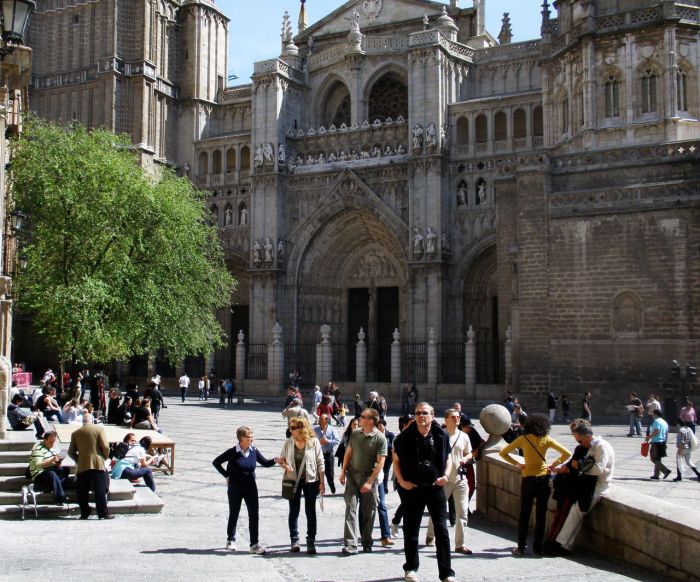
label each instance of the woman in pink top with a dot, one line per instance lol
(688, 416)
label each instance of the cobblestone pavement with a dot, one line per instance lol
(186, 541)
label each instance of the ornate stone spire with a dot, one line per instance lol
(544, 29)
(446, 25)
(288, 46)
(302, 17)
(506, 34)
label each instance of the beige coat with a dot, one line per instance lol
(313, 455)
(89, 447)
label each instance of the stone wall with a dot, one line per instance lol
(648, 532)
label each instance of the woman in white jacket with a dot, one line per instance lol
(303, 464)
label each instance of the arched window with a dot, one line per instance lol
(682, 90)
(216, 162)
(500, 126)
(245, 159)
(336, 107)
(649, 88)
(203, 164)
(612, 96)
(462, 131)
(388, 98)
(482, 129)
(231, 160)
(519, 124)
(537, 123)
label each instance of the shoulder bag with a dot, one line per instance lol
(290, 486)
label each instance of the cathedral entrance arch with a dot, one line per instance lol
(352, 275)
(481, 312)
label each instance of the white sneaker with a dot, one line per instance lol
(449, 579)
(257, 549)
(231, 546)
(394, 530)
(411, 576)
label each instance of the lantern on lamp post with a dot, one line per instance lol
(15, 20)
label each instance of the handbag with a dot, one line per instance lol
(28, 420)
(290, 486)
(646, 445)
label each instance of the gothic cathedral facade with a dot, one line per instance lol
(403, 177)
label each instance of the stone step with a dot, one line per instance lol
(119, 490)
(16, 469)
(144, 501)
(14, 457)
(25, 444)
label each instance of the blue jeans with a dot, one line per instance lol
(635, 425)
(136, 473)
(49, 414)
(383, 515)
(53, 479)
(311, 491)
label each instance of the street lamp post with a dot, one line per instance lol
(15, 67)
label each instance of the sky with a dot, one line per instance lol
(256, 25)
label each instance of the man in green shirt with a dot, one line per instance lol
(362, 464)
(45, 467)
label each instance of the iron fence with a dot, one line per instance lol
(344, 362)
(414, 362)
(302, 357)
(256, 368)
(451, 362)
(490, 362)
(378, 362)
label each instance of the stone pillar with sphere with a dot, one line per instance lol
(495, 420)
(361, 358)
(240, 358)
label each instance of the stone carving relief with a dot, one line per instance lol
(430, 242)
(319, 306)
(417, 243)
(462, 193)
(256, 250)
(417, 142)
(481, 192)
(268, 251)
(373, 265)
(228, 215)
(243, 214)
(627, 314)
(372, 8)
(431, 136)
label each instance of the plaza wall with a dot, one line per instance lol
(645, 531)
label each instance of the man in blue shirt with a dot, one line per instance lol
(658, 434)
(329, 440)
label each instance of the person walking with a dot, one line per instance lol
(363, 461)
(687, 414)
(684, 448)
(89, 449)
(456, 486)
(328, 438)
(184, 383)
(422, 465)
(534, 443)
(652, 405)
(241, 461)
(303, 464)
(552, 406)
(658, 436)
(586, 413)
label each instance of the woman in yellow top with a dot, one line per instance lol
(534, 443)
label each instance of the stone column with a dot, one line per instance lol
(5, 383)
(470, 359)
(432, 358)
(6, 323)
(240, 358)
(324, 357)
(275, 356)
(396, 358)
(509, 356)
(361, 358)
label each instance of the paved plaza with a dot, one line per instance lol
(186, 541)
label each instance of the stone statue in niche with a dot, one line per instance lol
(228, 216)
(400, 150)
(481, 192)
(256, 253)
(268, 250)
(417, 242)
(281, 154)
(243, 219)
(269, 153)
(417, 137)
(258, 159)
(388, 151)
(376, 152)
(462, 194)
(431, 136)
(431, 241)
(321, 159)
(280, 250)
(332, 157)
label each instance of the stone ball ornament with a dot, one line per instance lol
(495, 420)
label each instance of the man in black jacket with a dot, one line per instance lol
(421, 465)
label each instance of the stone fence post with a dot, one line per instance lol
(324, 357)
(470, 359)
(432, 358)
(509, 356)
(361, 358)
(240, 358)
(396, 358)
(275, 356)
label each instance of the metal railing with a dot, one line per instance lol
(451, 362)
(414, 362)
(256, 368)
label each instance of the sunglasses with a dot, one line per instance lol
(422, 413)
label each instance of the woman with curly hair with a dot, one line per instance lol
(534, 443)
(303, 464)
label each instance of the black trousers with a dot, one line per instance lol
(533, 489)
(97, 481)
(236, 495)
(328, 462)
(414, 502)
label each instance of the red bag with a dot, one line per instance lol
(645, 448)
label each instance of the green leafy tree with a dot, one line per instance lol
(120, 262)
